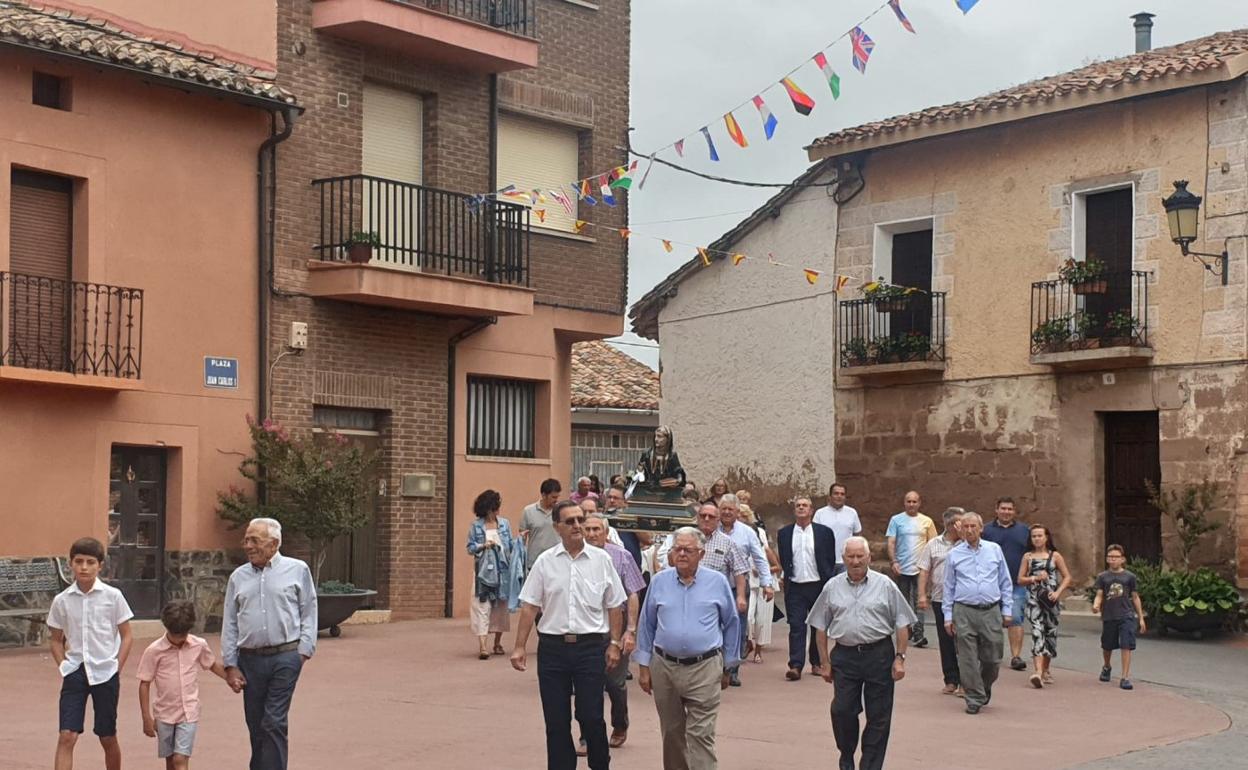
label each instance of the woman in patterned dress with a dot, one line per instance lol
(1043, 567)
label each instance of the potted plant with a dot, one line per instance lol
(856, 351)
(914, 346)
(1084, 330)
(360, 246)
(1121, 328)
(883, 350)
(316, 488)
(1086, 277)
(887, 298)
(1051, 335)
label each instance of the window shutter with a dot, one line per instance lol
(39, 225)
(534, 154)
(393, 133)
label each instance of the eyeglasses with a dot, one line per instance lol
(685, 549)
(570, 520)
(708, 515)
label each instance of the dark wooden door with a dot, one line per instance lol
(136, 527)
(352, 558)
(1107, 239)
(1131, 457)
(912, 267)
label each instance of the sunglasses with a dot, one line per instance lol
(570, 520)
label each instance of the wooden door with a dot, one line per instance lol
(136, 527)
(352, 558)
(1107, 239)
(1131, 457)
(912, 267)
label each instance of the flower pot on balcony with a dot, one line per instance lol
(360, 253)
(1098, 286)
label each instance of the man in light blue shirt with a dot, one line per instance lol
(268, 632)
(745, 537)
(978, 594)
(688, 639)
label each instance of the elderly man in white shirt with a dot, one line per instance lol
(842, 519)
(579, 594)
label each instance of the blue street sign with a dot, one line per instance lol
(220, 372)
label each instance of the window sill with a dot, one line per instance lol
(583, 4)
(562, 234)
(545, 461)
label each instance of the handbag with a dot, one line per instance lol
(1044, 595)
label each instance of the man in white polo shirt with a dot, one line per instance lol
(842, 519)
(576, 588)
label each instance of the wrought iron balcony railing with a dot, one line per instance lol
(70, 326)
(1106, 311)
(901, 329)
(424, 229)
(516, 16)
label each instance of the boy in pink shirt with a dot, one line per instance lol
(173, 662)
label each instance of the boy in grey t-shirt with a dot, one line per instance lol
(1118, 603)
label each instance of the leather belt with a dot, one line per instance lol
(574, 638)
(687, 661)
(979, 606)
(270, 650)
(864, 647)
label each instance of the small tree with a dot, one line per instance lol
(318, 488)
(1189, 508)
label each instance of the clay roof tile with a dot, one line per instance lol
(606, 378)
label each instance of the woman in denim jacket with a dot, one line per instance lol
(490, 541)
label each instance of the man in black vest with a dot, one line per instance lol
(808, 557)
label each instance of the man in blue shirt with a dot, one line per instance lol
(1014, 537)
(687, 641)
(978, 599)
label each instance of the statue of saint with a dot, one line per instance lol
(662, 476)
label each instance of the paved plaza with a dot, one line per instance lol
(413, 694)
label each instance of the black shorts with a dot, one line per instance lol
(74, 691)
(1119, 634)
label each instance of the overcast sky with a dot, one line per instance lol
(693, 60)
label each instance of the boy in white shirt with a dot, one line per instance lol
(90, 623)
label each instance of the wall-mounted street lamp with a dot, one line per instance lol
(1182, 212)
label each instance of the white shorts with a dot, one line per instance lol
(175, 738)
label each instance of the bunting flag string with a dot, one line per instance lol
(834, 80)
(901, 16)
(769, 120)
(734, 131)
(965, 6)
(710, 143)
(862, 46)
(801, 100)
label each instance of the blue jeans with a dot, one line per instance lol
(271, 681)
(564, 669)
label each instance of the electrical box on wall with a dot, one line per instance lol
(418, 485)
(298, 335)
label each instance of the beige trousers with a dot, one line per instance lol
(687, 699)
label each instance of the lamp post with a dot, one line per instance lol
(1182, 213)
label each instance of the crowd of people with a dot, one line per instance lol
(687, 607)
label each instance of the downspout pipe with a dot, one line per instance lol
(265, 245)
(451, 345)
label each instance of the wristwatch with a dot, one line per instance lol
(617, 643)
(901, 656)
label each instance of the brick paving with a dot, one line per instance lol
(413, 694)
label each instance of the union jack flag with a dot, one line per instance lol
(863, 46)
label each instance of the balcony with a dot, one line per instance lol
(434, 251)
(895, 338)
(1091, 324)
(70, 333)
(484, 36)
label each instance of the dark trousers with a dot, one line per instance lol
(617, 693)
(798, 599)
(271, 681)
(948, 647)
(564, 669)
(909, 585)
(862, 676)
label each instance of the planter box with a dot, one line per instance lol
(1195, 623)
(333, 609)
(892, 304)
(1097, 286)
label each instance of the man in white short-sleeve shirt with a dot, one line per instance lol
(841, 519)
(577, 590)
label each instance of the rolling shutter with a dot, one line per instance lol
(39, 225)
(393, 137)
(534, 154)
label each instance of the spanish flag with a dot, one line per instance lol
(841, 281)
(625, 232)
(801, 100)
(706, 257)
(734, 131)
(811, 275)
(541, 214)
(667, 246)
(579, 225)
(737, 259)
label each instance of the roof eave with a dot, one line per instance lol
(1232, 69)
(250, 100)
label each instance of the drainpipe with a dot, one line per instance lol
(1143, 31)
(451, 345)
(265, 245)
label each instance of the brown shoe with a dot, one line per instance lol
(793, 675)
(950, 689)
(618, 737)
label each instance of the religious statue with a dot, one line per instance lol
(659, 475)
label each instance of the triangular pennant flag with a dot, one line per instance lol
(901, 17)
(645, 176)
(862, 47)
(811, 275)
(625, 232)
(737, 259)
(710, 145)
(769, 120)
(834, 80)
(585, 196)
(538, 196)
(801, 101)
(734, 131)
(579, 225)
(870, 286)
(706, 257)
(541, 214)
(965, 5)
(841, 281)
(667, 246)
(680, 147)
(605, 191)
